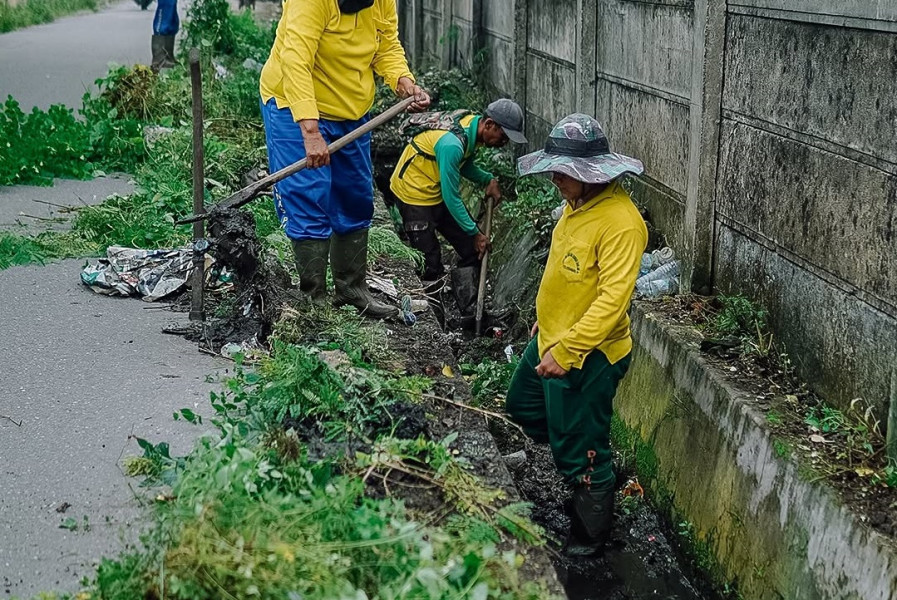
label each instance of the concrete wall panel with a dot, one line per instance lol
(551, 28)
(550, 93)
(836, 213)
(650, 128)
(834, 83)
(842, 347)
(879, 10)
(650, 44)
(500, 64)
(498, 18)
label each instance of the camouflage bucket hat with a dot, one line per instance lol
(577, 147)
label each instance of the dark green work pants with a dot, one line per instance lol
(572, 414)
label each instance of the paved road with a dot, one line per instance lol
(57, 62)
(79, 372)
(30, 209)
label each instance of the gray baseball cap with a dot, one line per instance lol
(509, 116)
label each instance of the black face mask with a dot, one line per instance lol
(350, 7)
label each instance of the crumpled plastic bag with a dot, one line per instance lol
(150, 274)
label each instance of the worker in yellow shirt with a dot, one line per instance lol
(426, 183)
(563, 388)
(317, 86)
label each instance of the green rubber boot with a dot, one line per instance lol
(311, 262)
(349, 261)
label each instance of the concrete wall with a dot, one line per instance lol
(709, 458)
(769, 133)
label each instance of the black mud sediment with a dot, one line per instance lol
(261, 284)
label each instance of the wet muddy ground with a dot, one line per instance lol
(642, 560)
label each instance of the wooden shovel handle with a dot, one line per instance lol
(251, 191)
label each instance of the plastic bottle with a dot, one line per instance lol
(667, 271)
(647, 264)
(663, 256)
(509, 353)
(667, 286)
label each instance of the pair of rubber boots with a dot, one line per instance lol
(591, 518)
(348, 256)
(162, 47)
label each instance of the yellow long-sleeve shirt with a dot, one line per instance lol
(587, 286)
(323, 62)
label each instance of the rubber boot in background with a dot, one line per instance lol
(465, 288)
(311, 263)
(349, 262)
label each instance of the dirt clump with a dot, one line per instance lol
(261, 284)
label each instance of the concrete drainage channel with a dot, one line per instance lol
(777, 532)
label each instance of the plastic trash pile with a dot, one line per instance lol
(149, 274)
(658, 275)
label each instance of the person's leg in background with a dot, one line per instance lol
(300, 199)
(420, 228)
(165, 26)
(350, 208)
(466, 274)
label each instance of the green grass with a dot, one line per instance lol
(35, 12)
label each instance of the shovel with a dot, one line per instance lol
(250, 192)
(484, 268)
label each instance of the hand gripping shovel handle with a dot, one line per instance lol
(251, 191)
(484, 269)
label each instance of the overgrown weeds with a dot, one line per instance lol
(249, 513)
(36, 12)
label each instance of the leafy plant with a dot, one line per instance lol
(35, 12)
(489, 379)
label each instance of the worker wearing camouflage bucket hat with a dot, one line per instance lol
(563, 388)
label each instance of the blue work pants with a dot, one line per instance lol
(166, 21)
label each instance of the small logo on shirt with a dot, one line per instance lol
(571, 263)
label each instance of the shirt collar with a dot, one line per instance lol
(472, 134)
(608, 192)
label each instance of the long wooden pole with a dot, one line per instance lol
(484, 269)
(197, 308)
(251, 191)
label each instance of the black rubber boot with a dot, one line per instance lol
(311, 262)
(465, 287)
(349, 262)
(591, 518)
(162, 47)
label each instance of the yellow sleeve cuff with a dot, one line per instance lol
(304, 109)
(565, 358)
(392, 79)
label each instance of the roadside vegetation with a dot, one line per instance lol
(36, 12)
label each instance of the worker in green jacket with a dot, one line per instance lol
(427, 180)
(563, 388)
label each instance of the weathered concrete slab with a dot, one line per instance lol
(843, 348)
(81, 372)
(879, 10)
(833, 83)
(500, 64)
(551, 93)
(665, 210)
(778, 534)
(650, 44)
(551, 27)
(648, 127)
(838, 214)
